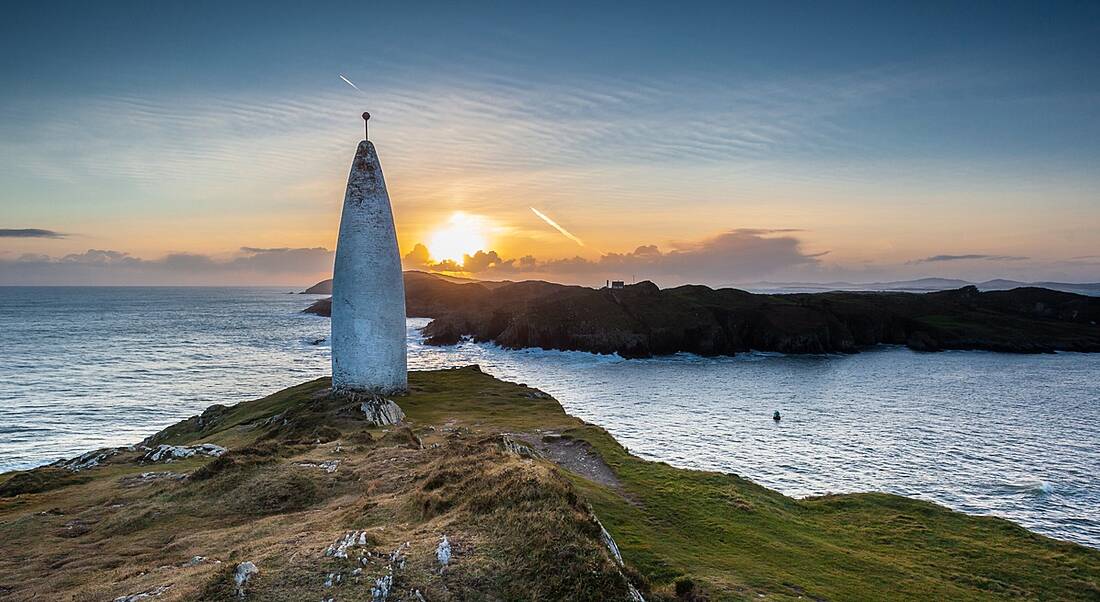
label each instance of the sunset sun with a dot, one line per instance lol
(462, 234)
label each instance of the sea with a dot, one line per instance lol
(1016, 436)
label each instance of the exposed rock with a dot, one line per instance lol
(328, 466)
(244, 572)
(382, 586)
(149, 477)
(167, 453)
(512, 446)
(381, 411)
(397, 557)
(635, 595)
(340, 547)
(89, 459)
(610, 543)
(156, 591)
(443, 553)
(321, 307)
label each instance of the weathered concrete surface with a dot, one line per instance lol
(368, 308)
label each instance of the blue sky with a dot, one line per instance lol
(859, 137)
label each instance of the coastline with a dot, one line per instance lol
(642, 320)
(725, 537)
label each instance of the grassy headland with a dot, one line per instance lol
(515, 484)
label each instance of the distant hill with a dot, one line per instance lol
(1091, 289)
(324, 287)
(919, 285)
(641, 320)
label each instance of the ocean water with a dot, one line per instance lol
(1009, 435)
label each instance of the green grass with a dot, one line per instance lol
(735, 536)
(737, 539)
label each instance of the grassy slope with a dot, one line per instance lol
(731, 538)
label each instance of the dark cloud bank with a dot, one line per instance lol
(969, 256)
(29, 233)
(97, 267)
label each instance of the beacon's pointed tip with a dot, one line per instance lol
(366, 153)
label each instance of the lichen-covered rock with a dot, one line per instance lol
(340, 547)
(148, 477)
(329, 466)
(89, 459)
(519, 448)
(167, 453)
(244, 572)
(381, 590)
(382, 412)
(156, 591)
(443, 553)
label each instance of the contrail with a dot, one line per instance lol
(555, 225)
(349, 82)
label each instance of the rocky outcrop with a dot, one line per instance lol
(643, 320)
(167, 453)
(381, 411)
(153, 593)
(89, 459)
(243, 574)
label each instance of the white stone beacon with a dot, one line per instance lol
(368, 292)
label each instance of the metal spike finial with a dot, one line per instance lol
(366, 125)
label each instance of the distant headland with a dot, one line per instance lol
(642, 320)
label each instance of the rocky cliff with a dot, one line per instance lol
(642, 320)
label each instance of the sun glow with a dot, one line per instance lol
(463, 234)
